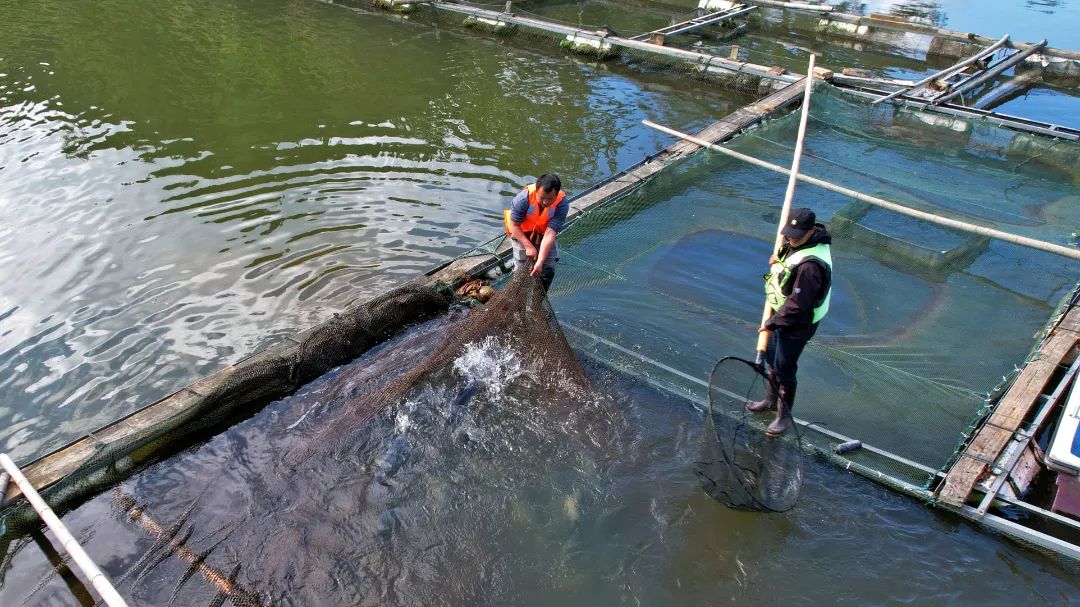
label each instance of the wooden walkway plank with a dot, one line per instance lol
(1011, 411)
(1071, 322)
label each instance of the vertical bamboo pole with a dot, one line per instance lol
(763, 335)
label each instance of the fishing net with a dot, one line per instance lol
(369, 476)
(927, 323)
(741, 466)
(116, 451)
(519, 313)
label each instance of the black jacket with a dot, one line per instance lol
(804, 292)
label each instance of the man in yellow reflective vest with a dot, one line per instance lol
(798, 288)
(533, 221)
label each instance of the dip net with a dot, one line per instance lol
(740, 466)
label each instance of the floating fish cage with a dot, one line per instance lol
(667, 254)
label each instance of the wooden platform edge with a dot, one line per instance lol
(1010, 412)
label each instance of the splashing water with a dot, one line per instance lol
(490, 363)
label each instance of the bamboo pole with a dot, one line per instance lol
(960, 226)
(226, 585)
(798, 6)
(692, 57)
(1006, 90)
(789, 195)
(67, 541)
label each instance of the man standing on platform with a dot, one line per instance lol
(797, 289)
(535, 217)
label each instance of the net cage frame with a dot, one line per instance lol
(728, 73)
(917, 474)
(905, 475)
(597, 42)
(867, 462)
(821, 445)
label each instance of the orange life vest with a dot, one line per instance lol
(536, 220)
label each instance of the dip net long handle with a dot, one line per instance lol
(67, 541)
(961, 226)
(789, 195)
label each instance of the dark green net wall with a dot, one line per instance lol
(926, 323)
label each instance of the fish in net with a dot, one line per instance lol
(739, 465)
(519, 313)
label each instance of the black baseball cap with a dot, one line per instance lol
(799, 222)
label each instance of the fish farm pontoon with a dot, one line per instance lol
(954, 404)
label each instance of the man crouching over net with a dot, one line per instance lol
(535, 217)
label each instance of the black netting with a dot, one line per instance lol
(117, 450)
(353, 332)
(324, 493)
(740, 465)
(519, 313)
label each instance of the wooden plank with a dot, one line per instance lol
(1071, 322)
(1027, 468)
(695, 23)
(717, 132)
(1009, 413)
(49, 469)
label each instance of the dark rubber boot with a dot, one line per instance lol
(783, 420)
(769, 402)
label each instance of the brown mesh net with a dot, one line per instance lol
(233, 392)
(518, 313)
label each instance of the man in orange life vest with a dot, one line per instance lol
(535, 217)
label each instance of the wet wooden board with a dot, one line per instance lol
(1010, 413)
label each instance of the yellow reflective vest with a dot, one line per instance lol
(781, 273)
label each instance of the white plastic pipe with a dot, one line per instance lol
(789, 194)
(67, 541)
(960, 226)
